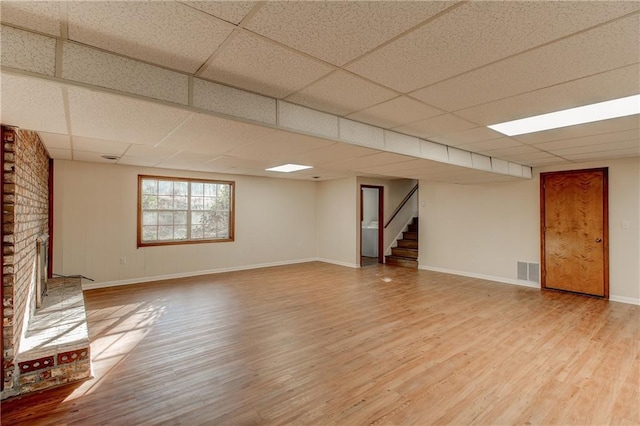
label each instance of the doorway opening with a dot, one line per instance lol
(371, 222)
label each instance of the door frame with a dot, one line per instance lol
(605, 225)
(380, 220)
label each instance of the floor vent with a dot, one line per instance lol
(529, 271)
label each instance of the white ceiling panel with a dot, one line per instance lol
(185, 160)
(362, 163)
(33, 104)
(99, 146)
(127, 160)
(606, 155)
(516, 150)
(326, 30)
(14, 44)
(608, 85)
(155, 153)
(477, 134)
(92, 157)
(231, 11)
(476, 34)
(261, 66)
(602, 148)
(436, 126)
(396, 112)
(570, 58)
(213, 135)
(542, 161)
(60, 154)
(341, 93)
(605, 126)
(111, 117)
(279, 145)
(40, 16)
(484, 146)
(330, 153)
(165, 33)
(53, 140)
(604, 138)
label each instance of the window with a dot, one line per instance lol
(184, 211)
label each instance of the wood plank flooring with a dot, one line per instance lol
(322, 344)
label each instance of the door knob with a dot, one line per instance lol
(598, 240)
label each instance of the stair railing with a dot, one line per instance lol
(401, 205)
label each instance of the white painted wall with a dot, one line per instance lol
(339, 221)
(483, 230)
(95, 209)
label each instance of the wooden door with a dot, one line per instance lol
(574, 230)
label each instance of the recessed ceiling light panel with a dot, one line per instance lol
(615, 108)
(288, 168)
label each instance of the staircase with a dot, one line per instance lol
(406, 253)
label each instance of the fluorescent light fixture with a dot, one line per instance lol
(288, 168)
(569, 117)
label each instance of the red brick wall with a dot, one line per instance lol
(26, 211)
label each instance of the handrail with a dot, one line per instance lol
(397, 210)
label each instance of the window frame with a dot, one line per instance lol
(232, 211)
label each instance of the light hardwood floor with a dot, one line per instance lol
(322, 344)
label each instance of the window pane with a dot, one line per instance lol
(197, 231)
(180, 188)
(180, 232)
(150, 218)
(209, 203)
(165, 202)
(196, 218)
(149, 233)
(180, 218)
(165, 218)
(165, 232)
(180, 203)
(165, 187)
(197, 203)
(210, 189)
(197, 188)
(149, 186)
(149, 202)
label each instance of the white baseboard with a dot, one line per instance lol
(612, 298)
(337, 262)
(622, 299)
(481, 276)
(95, 285)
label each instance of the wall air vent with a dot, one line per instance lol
(529, 271)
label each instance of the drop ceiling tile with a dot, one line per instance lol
(330, 153)
(40, 16)
(59, 153)
(92, 66)
(605, 155)
(230, 11)
(307, 120)
(590, 140)
(516, 150)
(436, 126)
(41, 58)
(480, 33)
(137, 161)
(546, 161)
(459, 157)
(393, 168)
(57, 141)
(227, 162)
(32, 103)
(480, 162)
(575, 57)
(326, 30)
(361, 134)
(598, 127)
(341, 93)
(254, 63)
(477, 134)
(165, 33)
(610, 146)
(185, 160)
(280, 146)
(238, 103)
(434, 151)
(396, 112)
(401, 144)
(93, 157)
(118, 118)
(608, 85)
(99, 145)
(367, 162)
(484, 146)
(213, 135)
(156, 153)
